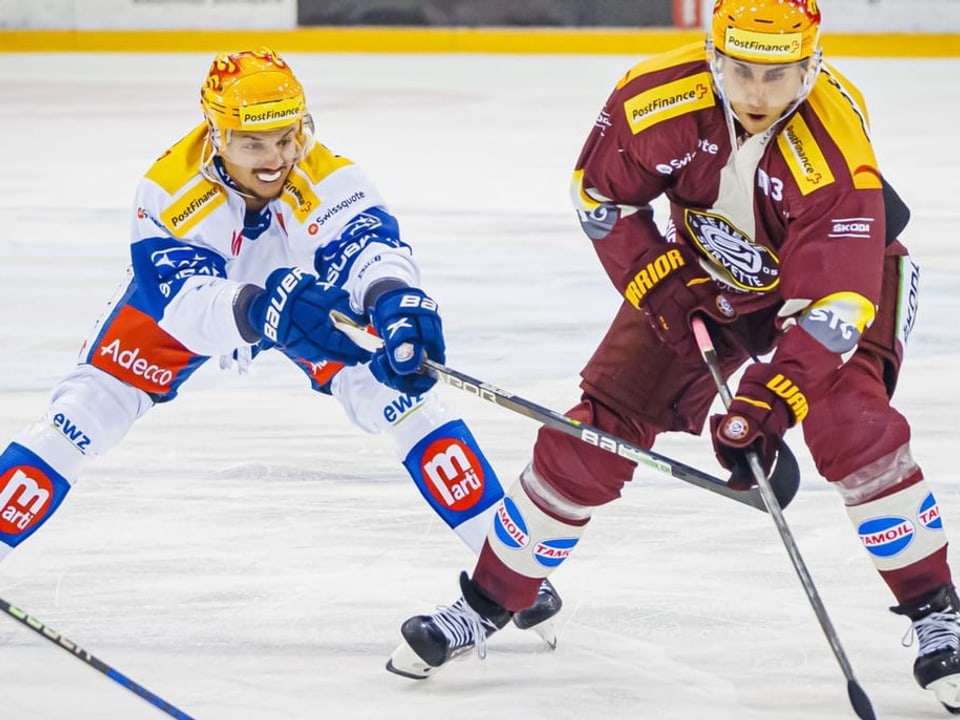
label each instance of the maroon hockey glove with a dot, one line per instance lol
(670, 286)
(765, 406)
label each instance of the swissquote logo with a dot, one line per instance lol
(454, 474)
(26, 494)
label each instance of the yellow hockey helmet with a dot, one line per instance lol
(251, 91)
(766, 31)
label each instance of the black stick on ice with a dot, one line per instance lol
(858, 698)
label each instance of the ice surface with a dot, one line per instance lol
(247, 553)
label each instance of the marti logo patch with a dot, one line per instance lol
(509, 525)
(454, 474)
(551, 553)
(886, 536)
(929, 513)
(26, 494)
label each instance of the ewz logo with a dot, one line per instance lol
(71, 432)
(400, 407)
(886, 536)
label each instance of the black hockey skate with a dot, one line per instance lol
(539, 616)
(430, 641)
(936, 622)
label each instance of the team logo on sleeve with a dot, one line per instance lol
(599, 222)
(741, 263)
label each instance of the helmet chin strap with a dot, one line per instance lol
(216, 140)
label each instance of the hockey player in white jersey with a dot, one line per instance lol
(245, 235)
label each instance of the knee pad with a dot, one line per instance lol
(374, 407)
(584, 474)
(453, 475)
(89, 413)
(856, 438)
(438, 450)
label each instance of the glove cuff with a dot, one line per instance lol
(380, 288)
(244, 313)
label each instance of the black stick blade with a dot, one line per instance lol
(785, 477)
(860, 701)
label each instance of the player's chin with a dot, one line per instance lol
(756, 123)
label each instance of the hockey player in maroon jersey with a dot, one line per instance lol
(782, 235)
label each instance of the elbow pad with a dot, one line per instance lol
(836, 321)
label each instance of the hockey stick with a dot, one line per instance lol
(858, 698)
(785, 477)
(96, 663)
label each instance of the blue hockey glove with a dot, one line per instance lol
(293, 314)
(409, 324)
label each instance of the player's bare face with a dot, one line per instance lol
(759, 94)
(259, 162)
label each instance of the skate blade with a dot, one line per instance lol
(947, 690)
(405, 662)
(547, 630)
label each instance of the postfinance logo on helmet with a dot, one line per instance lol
(764, 57)
(252, 91)
(766, 31)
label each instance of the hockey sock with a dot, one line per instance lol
(454, 477)
(524, 545)
(30, 491)
(903, 533)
